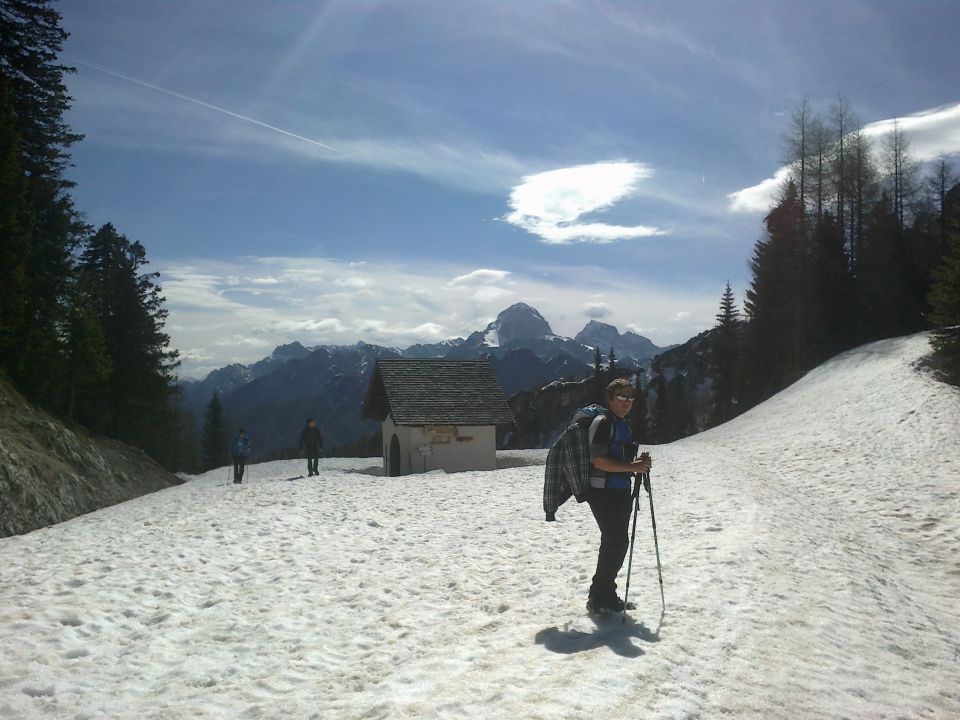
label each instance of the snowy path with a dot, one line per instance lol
(811, 560)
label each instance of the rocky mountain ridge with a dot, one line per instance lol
(273, 398)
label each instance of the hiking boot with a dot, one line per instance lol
(618, 605)
(610, 604)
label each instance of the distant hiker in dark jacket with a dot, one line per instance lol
(311, 443)
(239, 451)
(612, 453)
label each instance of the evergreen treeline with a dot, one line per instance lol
(81, 322)
(849, 252)
(861, 245)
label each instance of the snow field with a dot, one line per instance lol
(811, 563)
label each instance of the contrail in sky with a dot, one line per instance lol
(109, 71)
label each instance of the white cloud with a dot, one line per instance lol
(378, 330)
(761, 197)
(596, 310)
(928, 133)
(357, 283)
(550, 204)
(481, 276)
(491, 293)
(327, 325)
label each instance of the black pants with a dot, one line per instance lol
(611, 509)
(312, 463)
(238, 465)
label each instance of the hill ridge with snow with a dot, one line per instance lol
(811, 565)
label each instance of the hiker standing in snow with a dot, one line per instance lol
(239, 451)
(311, 443)
(611, 456)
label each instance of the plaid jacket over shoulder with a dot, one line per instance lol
(567, 473)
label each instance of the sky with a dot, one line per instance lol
(786, 593)
(400, 172)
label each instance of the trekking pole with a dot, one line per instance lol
(633, 534)
(656, 545)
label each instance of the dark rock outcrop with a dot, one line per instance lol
(51, 472)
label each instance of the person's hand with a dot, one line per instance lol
(642, 464)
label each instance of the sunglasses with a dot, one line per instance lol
(624, 398)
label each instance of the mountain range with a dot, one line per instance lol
(273, 397)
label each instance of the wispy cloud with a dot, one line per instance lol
(485, 286)
(437, 153)
(551, 204)
(929, 134)
(195, 101)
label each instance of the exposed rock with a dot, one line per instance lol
(50, 472)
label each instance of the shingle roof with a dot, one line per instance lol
(435, 391)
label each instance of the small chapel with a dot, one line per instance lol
(437, 414)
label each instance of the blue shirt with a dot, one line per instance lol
(611, 437)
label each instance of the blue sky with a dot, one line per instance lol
(400, 172)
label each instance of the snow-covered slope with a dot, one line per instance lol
(811, 562)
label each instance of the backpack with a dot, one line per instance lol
(568, 467)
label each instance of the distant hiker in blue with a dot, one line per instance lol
(612, 453)
(311, 443)
(239, 451)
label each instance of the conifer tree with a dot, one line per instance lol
(213, 446)
(598, 374)
(657, 425)
(15, 233)
(774, 301)
(129, 308)
(723, 360)
(88, 361)
(30, 41)
(945, 292)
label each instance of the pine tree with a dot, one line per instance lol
(799, 150)
(724, 358)
(657, 424)
(598, 375)
(128, 305)
(30, 41)
(638, 415)
(15, 233)
(881, 294)
(774, 303)
(88, 362)
(945, 292)
(678, 415)
(213, 446)
(830, 325)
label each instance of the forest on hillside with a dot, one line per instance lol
(81, 320)
(863, 243)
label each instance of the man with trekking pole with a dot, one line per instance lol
(609, 494)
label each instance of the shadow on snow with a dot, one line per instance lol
(611, 632)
